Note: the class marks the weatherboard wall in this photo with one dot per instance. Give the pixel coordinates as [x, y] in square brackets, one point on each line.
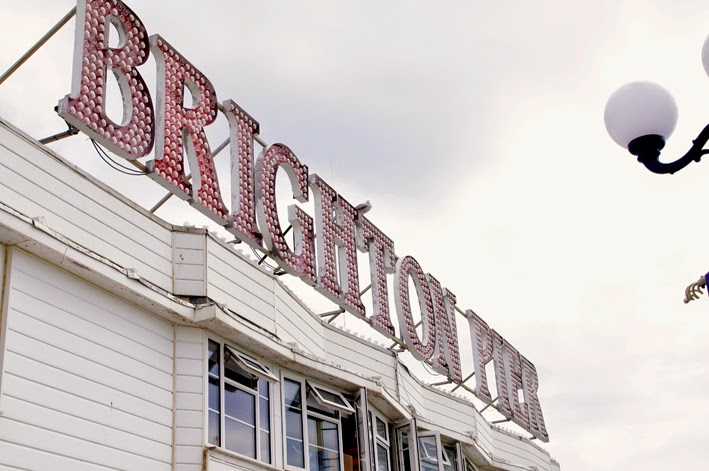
[42, 185]
[99, 380]
[88, 378]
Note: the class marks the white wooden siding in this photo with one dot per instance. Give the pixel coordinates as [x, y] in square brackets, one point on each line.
[354, 354]
[3, 312]
[511, 448]
[451, 415]
[245, 289]
[484, 438]
[295, 324]
[93, 382]
[189, 398]
[88, 378]
[411, 391]
[189, 264]
[40, 185]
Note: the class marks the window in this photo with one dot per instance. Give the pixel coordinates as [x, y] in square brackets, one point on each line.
[406, 445]
[314, 421]
[379, 438]
[451, 453]
[239, 412]
[430, 452]
[469, 466]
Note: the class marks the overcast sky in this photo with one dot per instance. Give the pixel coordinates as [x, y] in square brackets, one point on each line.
[476, 131]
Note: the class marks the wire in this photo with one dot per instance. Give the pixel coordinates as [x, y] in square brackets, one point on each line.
[113, 164]
[430, 370]
[259, 256]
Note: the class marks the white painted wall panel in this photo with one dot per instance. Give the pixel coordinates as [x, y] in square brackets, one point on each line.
[190, 382]
[296, 324]
[448, 412]
[244, 288]
[484, 436]
[189, 264]
[355, 355]
[39, 185]
[86, 375]
[411, 391]
[512, 449]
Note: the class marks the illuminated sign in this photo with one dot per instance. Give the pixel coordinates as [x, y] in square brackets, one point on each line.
[324, 253]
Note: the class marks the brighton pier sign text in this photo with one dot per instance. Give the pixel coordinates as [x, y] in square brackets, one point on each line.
[329, 264]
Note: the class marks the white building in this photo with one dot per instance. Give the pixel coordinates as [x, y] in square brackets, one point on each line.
[104, 365]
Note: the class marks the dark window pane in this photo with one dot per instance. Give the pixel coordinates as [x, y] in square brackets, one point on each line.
[265, 447]
[331, 397]
[294, 453]
[214, 358]
[213, 434]
[239, 404]
[214, 394]
[315, 406]
[235, 373]
[323, 460]
[255, 365]
[382, 458]
[404, 437]
[428, 452]
[265, 416]
[428, 449]
[323, 434]
[294, 424]
[452, 458]
[240, 438]
[382, 429]
[350, 447]
[263, 388]
[371, 437]
[291, 394]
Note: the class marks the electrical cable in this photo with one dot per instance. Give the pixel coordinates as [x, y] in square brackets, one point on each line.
[113, 164]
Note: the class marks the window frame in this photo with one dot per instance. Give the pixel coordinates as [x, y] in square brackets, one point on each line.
[378, 439]
[306, 412]
[363, 429]
[458, 450]
[256, 394]
[413, 448]
[468, 464]
[442, 458]
[244, 361]
[316, 388]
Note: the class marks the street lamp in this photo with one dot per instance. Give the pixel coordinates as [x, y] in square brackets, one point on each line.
[641, 116]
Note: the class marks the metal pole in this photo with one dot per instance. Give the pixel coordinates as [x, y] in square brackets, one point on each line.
[335, 314]
[38, 45]
[464, 381]
[72, 131]
[489, 405]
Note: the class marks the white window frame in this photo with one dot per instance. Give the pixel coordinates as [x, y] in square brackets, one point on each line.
[316, 388]
[459, 458]
[305, 389]
[363, 429]
[442, 458]
[378, 439]
[255, 393]
[469, 465]
[413, 449]
[247, 363]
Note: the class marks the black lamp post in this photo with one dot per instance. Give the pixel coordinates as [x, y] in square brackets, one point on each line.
[641, 116]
